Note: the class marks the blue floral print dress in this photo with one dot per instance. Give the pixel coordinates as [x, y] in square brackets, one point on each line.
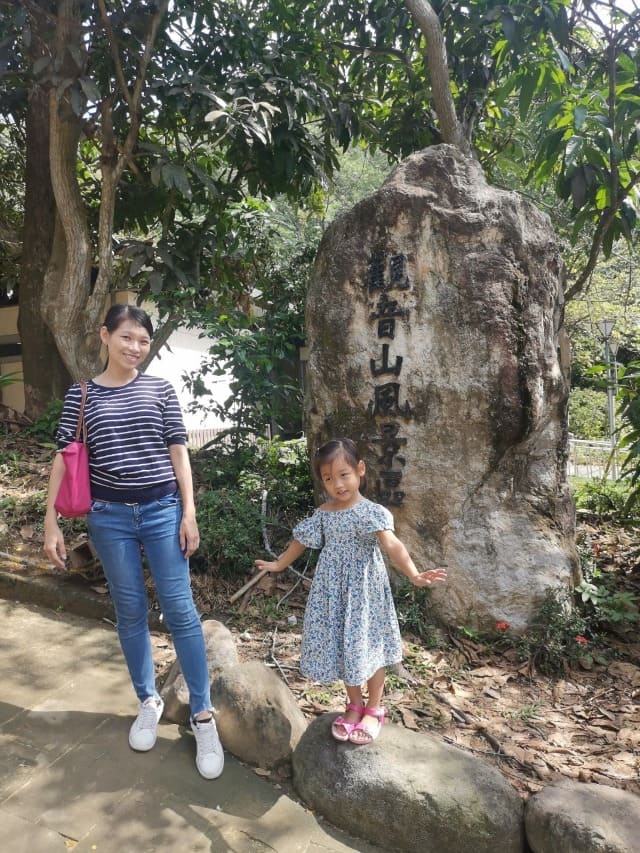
[350, 625]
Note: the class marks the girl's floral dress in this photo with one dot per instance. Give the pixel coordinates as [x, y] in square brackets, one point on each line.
[350, 625]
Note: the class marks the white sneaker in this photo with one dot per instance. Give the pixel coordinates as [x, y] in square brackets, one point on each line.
[144, 730]
[209, 752]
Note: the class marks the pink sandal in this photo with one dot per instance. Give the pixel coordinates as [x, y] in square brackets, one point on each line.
[369, 736]
[346, 725]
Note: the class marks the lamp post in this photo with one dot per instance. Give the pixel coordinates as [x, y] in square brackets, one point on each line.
[606, 328]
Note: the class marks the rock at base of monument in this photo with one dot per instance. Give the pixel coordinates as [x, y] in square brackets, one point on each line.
[573, 817]
[257, 715]
[408, 792]
[221, 651]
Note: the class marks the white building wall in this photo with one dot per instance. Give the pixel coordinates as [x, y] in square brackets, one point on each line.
[183, 355]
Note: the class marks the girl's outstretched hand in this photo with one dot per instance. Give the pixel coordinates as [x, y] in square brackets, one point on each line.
[269, 566]
[429, 577]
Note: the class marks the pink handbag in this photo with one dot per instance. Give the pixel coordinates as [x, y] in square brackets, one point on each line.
[74, 494]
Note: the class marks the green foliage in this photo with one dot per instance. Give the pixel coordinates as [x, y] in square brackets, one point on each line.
[7, 379]
[588, 413]
[229, 523]
[586, 112]
[26, 510]
[46, 425]
[608, 607]
[601, 601]
[257, 342]
[613, 292]
[12, 161]
[413, 606]
[629, 410]
[230, 486]
[9, 462]
[556, 635]
[606, 499]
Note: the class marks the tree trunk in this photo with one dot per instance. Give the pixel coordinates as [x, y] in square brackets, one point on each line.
[44, 373]
[436, 54]
[67, 281]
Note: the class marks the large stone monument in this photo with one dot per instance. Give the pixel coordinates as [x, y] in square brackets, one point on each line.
[435, 341]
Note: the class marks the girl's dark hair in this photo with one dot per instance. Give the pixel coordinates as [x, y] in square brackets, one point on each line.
[334, 449]
[117, 314]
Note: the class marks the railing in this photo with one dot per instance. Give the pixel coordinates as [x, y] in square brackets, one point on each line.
[590, 459]
[197, 438]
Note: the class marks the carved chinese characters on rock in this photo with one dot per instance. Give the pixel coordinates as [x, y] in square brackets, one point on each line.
[387, 288]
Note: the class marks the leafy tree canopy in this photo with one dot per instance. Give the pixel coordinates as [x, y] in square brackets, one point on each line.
[168, 121]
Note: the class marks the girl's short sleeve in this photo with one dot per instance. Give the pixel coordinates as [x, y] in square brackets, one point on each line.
[377, 518]
[309, 532]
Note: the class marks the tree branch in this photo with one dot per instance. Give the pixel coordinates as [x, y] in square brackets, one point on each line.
[115, 55]
[162, 335]
[373, 50]
[132, 136]
[436, 56]
[604, 223]
[113, 166]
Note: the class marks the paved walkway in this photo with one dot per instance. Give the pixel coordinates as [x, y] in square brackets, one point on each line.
[68, 780]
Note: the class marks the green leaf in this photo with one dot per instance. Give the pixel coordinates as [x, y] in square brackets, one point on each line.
[90, 89]
[77, 101]
[527, 90]
[508, 26]
[578, 188]
[40, 64]
[579, 117]
[573, 150]
[77, 56]
[136, 265]
[155, 282]
[214, 115]
[565, 64]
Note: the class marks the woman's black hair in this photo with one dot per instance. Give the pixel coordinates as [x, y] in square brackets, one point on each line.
[117, 314]
[334, 449]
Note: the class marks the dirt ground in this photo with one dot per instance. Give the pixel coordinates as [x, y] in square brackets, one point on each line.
[484, 698]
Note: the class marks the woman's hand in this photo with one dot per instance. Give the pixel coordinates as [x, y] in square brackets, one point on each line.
[189, 535]
[429, 577]
[54, 546]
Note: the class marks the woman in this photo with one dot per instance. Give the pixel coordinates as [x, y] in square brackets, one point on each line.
[142, 501]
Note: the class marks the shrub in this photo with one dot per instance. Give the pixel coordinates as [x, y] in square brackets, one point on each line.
[45, 427]
[556, 636]
[231, 484]
[606, 499]
[602, 602]
[230, 532]
[413, 607]
[588, 415]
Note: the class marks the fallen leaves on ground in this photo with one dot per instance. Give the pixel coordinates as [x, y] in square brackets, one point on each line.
[532, 728]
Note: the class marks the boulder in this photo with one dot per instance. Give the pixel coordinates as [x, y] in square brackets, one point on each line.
[435, 341]
[257, 716]
[408, 792]
[572, 817]
[221, 651]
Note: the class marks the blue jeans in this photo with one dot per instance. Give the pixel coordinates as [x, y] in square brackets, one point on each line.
[118, 531]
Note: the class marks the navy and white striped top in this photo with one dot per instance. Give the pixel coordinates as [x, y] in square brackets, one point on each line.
[129, 432]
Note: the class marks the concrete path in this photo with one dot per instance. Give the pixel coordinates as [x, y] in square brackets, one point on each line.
[68, 780]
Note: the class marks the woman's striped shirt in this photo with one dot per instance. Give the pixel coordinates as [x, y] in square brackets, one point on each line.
[129, 432]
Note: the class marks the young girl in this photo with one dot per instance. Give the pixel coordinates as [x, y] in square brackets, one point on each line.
[142, 497]
[350, 629]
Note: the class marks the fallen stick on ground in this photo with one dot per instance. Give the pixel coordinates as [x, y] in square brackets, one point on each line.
[248, 585]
